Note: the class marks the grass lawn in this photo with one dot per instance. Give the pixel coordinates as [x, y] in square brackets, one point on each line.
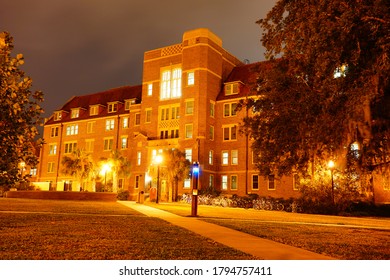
[77, 230]
[348, 238]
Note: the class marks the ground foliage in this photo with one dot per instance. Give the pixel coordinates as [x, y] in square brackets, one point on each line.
[20, 114]
[325, 86]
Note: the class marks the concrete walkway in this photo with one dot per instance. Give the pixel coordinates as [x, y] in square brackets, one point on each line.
[259, 247]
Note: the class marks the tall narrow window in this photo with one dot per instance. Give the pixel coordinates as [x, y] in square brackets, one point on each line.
[255, 182]
[225, 157]
[190, 78]
[124, 142]
[271, 182]
[150, 89]
[211, 157]
[110, 124]
[233, 182]
[188, 131]
[139, 157]
[224, 179]
[170, 83]
[234, 157]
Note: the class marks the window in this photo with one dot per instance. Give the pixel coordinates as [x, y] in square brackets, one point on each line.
[124, 142]
[54, 131]
[137, 180]
[190, 78]
[72, 129]
[112, 107]
[271, 182]
[108, 143]
[52, 149]
[188, 153]
[211, 181]
[255, 182]
[137, 119]
[233, 182]
[148, 117]
[189, 107]
[230, 109]
[110, 124]
[57, 116]
[90, 127]
[171, 84]
[225, 157]
[211, 132]
[234, 157]
[125, 122]
[93, 110]
[212, 109]
[224, 182]
[70, 147]
[75, 113]
[187, 183]
[211, 157]
[231, 89]
[230, 133]
[188, 131]
[139, 157]
[127, 104]
[150, 89]
[89, 143]
[33, 171]
[50, 167]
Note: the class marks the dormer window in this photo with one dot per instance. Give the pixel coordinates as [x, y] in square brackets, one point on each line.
[112, 107]
[231, 89]
[75, 113]
[58, 116]
[127, 105]
[93, 110]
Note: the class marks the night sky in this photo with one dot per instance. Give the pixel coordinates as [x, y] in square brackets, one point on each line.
[77, 47]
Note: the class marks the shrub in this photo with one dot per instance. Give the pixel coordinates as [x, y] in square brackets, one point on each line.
[123, 195]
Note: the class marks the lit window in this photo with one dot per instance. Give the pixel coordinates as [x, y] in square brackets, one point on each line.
[211, 157]
[171, 84]
[234, 157]
[224, 182]
[233, 182]
[75, 113]
[225, 157]
[52, 149]
[231, 89]
[33, 171]
[188, 131]
[187, 183]
[110, 124]
[125, 123]
[188, 153]
[150, 89]
[72, 129]
[190, 78]
[57, 116]
[124, 142]
[89, 145]
[139, 157]
[211, 181]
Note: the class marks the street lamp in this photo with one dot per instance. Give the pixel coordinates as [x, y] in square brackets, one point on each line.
[106, 168]
[331, 167]
[158, 160]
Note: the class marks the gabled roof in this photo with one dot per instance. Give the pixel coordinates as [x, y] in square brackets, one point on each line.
[119, 94]
[246, 75]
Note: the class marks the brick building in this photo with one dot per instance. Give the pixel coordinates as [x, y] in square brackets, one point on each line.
[187, 100]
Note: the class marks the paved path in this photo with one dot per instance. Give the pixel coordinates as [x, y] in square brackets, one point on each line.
[256, 246]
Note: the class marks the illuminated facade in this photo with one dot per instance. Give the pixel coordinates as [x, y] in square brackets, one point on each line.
[188, 101]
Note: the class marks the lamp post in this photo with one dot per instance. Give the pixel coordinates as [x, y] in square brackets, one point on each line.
[106, 168]
[194, 201]
[331, 167]
[158, 160]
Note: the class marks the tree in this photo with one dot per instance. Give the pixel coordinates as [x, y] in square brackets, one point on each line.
[80, 166]
[119, 166]
[177, 170]
[328, 77]
[20, 114]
